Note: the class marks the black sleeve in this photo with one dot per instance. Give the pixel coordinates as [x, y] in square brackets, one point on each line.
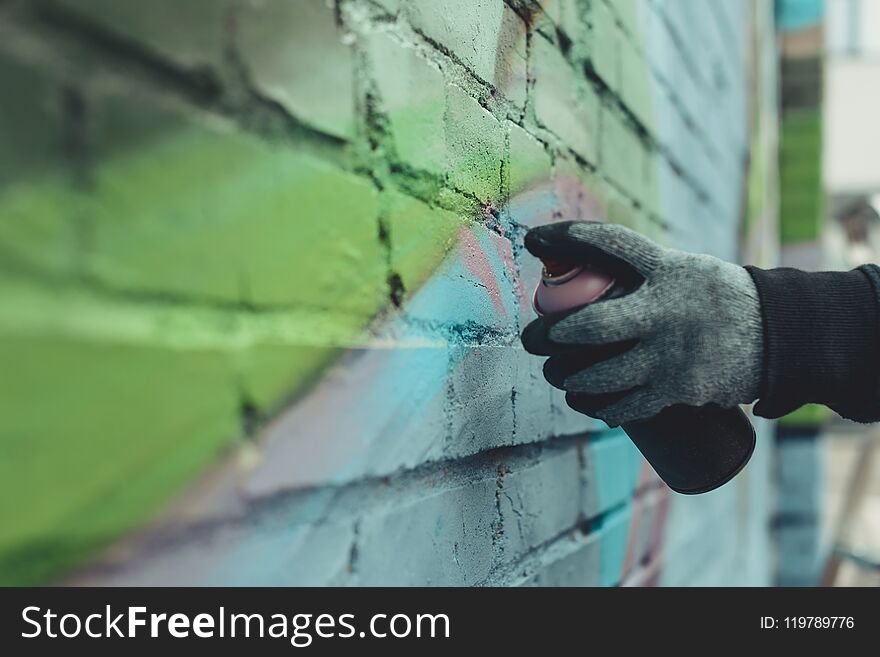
[821, 341]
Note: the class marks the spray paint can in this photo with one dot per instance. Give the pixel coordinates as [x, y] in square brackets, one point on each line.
[694, 449]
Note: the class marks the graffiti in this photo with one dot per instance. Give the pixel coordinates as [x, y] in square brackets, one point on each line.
[271, 336]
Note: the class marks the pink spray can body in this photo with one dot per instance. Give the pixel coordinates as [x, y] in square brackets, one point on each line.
[694, 449]
[567, 286]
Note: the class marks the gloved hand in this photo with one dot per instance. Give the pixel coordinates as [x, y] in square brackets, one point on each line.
[688, 332]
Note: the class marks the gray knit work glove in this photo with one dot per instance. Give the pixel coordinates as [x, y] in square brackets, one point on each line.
[686, 331]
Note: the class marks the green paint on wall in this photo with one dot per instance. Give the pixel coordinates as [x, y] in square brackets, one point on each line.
[420, 238]
[175, 275]
[186, 275]
[115, 405]
[95, 436]
[227, 218]
[110, 416]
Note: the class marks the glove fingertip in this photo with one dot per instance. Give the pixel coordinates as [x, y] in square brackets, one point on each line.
[557, 239]
[593, 405]
[535, 338]
[541, 240]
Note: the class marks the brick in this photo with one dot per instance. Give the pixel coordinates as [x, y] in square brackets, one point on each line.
[613, 533]
[564, 104]
[391, 6]
[579, 194]
[620, 152]
[475, 144]
[413, 95]
[312, 444]
[38, 226]
[286, 553]
[566, 421]
[580, 566]
[421, 236]
[675, 201]
[208, 213]
[280, 553]
[652, 162]
[472, 288]
[480, 411]
[637, 85]
[131, 422]
[657, 42]
[628, 13]
[486, 35]
[611, 466]
[32, 123]
[39, 206]
[191, 34]
[552, 10]
[272, 369]
[647, 574]
[678, 138]
[528, 161]
[283, 44]
[539, 501]
[648, 520]
[619, 209]
[572, 17]
[444, 537]
[532, 400]
[699, 538]
[605, 55]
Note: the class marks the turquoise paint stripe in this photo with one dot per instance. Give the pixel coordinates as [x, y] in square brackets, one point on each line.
[618, 463]
[614, 533]
[450, 293]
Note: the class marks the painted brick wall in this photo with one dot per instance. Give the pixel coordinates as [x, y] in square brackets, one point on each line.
[263, 284]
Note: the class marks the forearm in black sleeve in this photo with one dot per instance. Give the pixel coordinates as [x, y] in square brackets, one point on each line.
[821, 341]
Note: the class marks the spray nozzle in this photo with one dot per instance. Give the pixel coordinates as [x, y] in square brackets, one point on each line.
[557, 272]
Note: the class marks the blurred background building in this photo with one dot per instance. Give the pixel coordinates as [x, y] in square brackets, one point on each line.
[852, 138]
[852, 237]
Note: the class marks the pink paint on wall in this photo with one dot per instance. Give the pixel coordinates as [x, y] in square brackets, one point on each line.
[478, 264]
